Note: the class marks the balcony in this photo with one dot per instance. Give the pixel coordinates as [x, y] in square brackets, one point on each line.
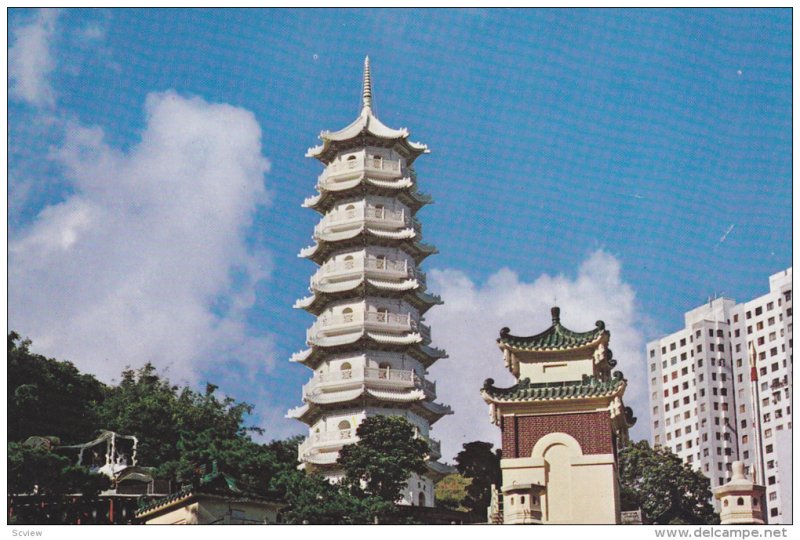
[324, 446]
[371, 216]
[396, 379]
[357, 321]
[342, 171]
[328, 441]
[372, 267]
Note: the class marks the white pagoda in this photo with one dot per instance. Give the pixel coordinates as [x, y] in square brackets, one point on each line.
[368, 348]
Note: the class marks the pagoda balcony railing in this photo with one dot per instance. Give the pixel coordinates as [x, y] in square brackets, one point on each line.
[342, 171]
[379, 321]
[334, 440]
[370, 376]
[434, 446]
[371, 267]
[326, 440]
[385, 218]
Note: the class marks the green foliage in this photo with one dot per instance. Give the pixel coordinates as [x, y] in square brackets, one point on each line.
[48, 397]
[312, 499]
[667, 490]
[40, 471]
[177, 428]
[180, 428]
[451, 491]
[479, 463]
[386, 455]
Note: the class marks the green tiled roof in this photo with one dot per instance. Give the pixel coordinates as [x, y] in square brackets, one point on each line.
[557, 337]
[206, 482]
[525, 390]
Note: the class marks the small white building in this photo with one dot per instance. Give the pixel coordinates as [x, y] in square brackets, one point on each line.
[369, 348]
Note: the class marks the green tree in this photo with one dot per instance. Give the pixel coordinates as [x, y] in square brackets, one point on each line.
[178, 429]
[667, 490]
[451, 491]
[43, 472]
[382, 461]
[481, 465]
[49, 397]
[312, 499]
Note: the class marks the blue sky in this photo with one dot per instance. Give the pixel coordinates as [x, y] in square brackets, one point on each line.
[595, 158]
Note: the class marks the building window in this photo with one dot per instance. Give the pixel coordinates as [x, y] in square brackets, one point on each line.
[672, 346]
[759, 310]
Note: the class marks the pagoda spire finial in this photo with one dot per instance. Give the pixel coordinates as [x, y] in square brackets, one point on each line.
[367, 86]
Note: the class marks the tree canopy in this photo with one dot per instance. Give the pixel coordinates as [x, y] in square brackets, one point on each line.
[49, 398]
[667, 490]
[481, 465]
[386, 455]
[177, 428]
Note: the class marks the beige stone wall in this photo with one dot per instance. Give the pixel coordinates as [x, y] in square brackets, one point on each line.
[578, 488]
[207, 511]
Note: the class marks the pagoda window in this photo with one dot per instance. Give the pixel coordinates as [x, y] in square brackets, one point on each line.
[377, 161]
[740, 501]
[350, 211]
[344, 429]
[422, 499]
[351, 162]
[347, 314]
[346, 369]
[379, 211]
[349, 262]
[380, 262]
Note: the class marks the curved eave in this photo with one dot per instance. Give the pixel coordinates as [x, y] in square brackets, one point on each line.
[318, 252]
[315, 354]
[439, 470]
[410, 289]
[415, 400]
[617, 391]
[528, 344]
[342, 187]
[366, 124]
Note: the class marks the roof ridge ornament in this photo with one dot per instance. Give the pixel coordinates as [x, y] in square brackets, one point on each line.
[366, 93]
[555, 312]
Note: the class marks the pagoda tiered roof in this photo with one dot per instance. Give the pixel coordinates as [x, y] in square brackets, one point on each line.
[402, 188]
[322, 249]
[410, 289]
[525, 390]
[555, 338]
[315, 354]
[416, 400]
[367, 124]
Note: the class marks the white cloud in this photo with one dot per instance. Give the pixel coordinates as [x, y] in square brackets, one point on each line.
[30, 59]
[146, 260]
[469, 322]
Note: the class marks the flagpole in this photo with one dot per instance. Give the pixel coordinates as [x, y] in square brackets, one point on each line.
[760, 476]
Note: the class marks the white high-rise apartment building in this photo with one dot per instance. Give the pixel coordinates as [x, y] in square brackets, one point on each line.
[720, 390]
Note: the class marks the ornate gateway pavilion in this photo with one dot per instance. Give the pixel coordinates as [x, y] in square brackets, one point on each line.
[368, 348]
[562, 424]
